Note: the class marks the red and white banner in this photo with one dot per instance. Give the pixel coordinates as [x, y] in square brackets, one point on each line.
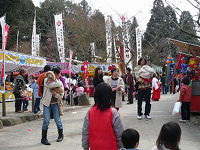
[7, 27]
[5, 31]
[86, 76]
[60, 36]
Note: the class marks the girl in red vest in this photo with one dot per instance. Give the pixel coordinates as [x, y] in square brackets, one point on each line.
[102, 127]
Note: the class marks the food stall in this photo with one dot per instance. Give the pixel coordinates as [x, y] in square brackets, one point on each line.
[189, 57]
[91, 72]
[15, 61]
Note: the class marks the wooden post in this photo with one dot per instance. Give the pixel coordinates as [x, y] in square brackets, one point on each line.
[33, 102]
[3, 105]
[71, 98]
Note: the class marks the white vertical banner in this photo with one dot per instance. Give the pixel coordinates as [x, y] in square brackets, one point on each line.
[37, 44]
[3, 23]
[138, 43]
[109, 39]
[92, 46]
[60, 36]
[34, 37]
[126, 41]
[117, 51]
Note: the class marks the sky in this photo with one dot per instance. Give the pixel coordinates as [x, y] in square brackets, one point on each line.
[129, 8]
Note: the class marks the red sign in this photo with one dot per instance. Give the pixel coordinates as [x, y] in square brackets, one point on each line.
[86, 76]
[58, 23]
[4, 48]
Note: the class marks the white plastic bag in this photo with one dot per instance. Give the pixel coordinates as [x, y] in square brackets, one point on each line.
[177, 108]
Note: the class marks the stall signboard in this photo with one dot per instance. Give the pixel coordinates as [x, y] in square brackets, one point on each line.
[104, 67]
[22, 59]
[65, 67]
[8, 95]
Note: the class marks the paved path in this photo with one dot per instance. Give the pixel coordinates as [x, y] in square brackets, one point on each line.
[27, 136]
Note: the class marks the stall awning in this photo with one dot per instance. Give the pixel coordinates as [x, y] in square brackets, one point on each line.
[187, 48]
[15, 60]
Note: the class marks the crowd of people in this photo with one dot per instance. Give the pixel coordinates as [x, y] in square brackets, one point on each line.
[36, 83]
[50, 89]
[102, 127]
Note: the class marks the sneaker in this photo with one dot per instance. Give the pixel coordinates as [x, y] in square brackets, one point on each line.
[183, 121]
[148, 116]
[139, 117]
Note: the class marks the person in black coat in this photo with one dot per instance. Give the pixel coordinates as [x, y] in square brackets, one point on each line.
[98, 76]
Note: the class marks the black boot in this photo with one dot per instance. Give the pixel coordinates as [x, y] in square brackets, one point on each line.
[60, 135]
[44, 138]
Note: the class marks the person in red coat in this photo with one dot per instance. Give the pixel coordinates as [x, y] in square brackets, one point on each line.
[40, 80]
[185, 98]
[156, 88]
[102, 127]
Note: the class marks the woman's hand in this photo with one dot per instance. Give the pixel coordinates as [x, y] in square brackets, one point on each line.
[119, 88]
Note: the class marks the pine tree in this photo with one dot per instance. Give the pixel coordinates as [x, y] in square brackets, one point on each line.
[187, 25]
[162, 24]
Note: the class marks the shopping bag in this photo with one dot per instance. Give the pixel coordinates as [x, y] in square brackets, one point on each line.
[177, 108]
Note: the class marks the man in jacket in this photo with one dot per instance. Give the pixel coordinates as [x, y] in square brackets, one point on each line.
[130, 85]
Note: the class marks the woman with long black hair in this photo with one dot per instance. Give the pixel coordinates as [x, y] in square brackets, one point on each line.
[98, 76]
[102, 127]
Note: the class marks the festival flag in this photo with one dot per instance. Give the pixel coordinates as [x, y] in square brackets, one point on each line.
[70, 61]
[5, 30]
[109, 39]
[60, 36]
[4, 48]
[37, 44]
[138, 43]
[34, 52]
[126, 39]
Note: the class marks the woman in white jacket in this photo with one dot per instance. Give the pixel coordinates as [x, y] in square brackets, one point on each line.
[50, 103]
[117, 85]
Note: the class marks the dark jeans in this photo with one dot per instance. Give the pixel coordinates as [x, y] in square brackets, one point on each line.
[185, 110]
[18, 102]
[68, 99]
[25, 105]
[164, 89]
[47, 115]
[76, 100]
[113, 99]
[37, 105]
[130, 95]
[144, 95]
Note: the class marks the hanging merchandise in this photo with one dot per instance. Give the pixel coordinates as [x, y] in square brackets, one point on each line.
[184, 65]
